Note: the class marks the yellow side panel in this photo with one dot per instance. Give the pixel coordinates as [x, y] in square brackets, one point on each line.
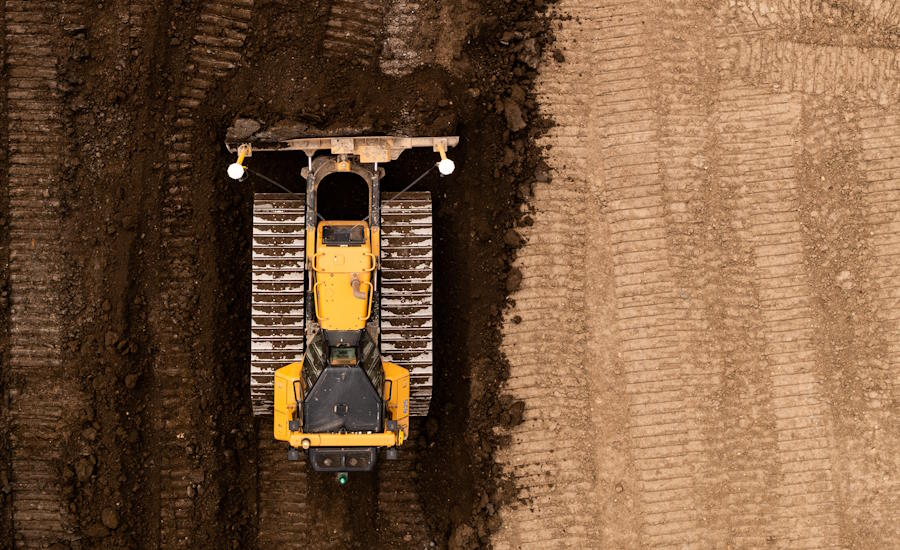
[396, 388]
[376, 241]
[310, 247]
[285, 401]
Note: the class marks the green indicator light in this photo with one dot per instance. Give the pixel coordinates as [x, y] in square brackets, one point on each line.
[342, 478]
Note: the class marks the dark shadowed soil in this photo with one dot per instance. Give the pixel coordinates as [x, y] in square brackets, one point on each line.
[120, 68]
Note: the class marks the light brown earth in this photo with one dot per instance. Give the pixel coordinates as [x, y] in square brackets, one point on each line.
[707, 334]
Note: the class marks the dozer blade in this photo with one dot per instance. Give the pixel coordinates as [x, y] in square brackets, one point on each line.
[406, 291]
[297, 136]
[277, 331]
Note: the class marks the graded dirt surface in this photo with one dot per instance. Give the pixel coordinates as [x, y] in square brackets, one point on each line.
[667, 297]
[706, 333]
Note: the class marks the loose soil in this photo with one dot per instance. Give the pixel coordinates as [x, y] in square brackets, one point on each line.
[122, 213]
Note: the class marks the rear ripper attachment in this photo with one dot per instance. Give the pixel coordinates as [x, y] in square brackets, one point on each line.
[341, 329]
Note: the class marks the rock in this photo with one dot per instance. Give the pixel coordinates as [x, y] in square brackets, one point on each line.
[463, 537]
[514, 280]
[83, 469]
[89, 433]
[431, 427]
[96, 530]
[515, 413]
[558, 56]
[843, 280]
[445, 124]
[109, 517]
[512, 239]
[619, 488]
[517, 93]
[529, 54]
[4, 483]
[131, 381]
[515, 120]
[243, 128]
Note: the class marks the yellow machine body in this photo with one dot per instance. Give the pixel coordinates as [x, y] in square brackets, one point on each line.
[344, 283]
[289, 387]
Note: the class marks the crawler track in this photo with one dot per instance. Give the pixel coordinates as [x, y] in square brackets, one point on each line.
[407, 279]
[221, 32]
[277, 332]
[35, 134]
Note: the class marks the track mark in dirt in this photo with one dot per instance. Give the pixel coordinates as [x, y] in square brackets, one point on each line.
[284, 516]
[663, 428]
[849, 339]
[36, 371]
[880, 164]
[296, 505]
[222, 29]
[879, 136]
[402, 26]
[137, 18]
[6, 508]
[400, 518]
[761, 127]
[354, 30]
[715, 313]
[865, 73]
[826, 49]
[787, 12]
[549, 457]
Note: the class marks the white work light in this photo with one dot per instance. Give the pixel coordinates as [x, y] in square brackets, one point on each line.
[235, 171]
[446, 167]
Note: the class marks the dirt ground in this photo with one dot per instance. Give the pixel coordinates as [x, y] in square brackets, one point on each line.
[713, 265]
[126, 262]
[666, 283]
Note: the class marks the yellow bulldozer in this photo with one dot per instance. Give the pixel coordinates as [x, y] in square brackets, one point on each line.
[341, 324]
